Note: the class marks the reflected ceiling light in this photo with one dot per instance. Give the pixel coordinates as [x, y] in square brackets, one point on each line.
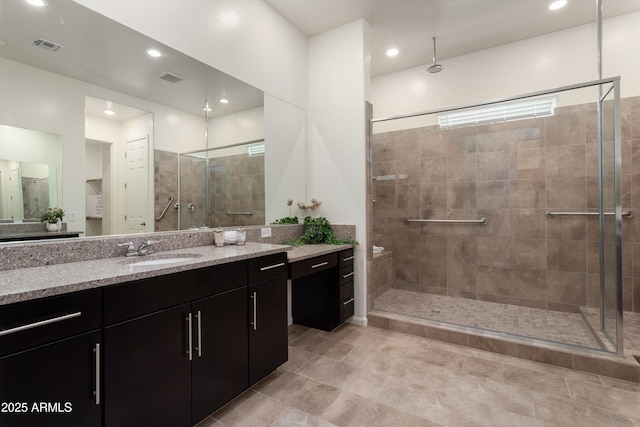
[154, 53]
[224, 100]
[392, 52]
[558, 4]
[109, 112]
[38, 3]
[508, 111]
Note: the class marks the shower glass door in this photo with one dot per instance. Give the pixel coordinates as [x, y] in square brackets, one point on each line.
[610, 216]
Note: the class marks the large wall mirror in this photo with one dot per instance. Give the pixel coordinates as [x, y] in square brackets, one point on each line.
[29, 164]
[63, 67]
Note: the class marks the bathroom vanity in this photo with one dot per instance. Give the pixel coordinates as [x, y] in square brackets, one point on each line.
[322, 286]
[159, 345]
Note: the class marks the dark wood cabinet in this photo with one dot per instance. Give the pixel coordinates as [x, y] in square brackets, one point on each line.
[322, 290]
[268, 334]
[147, 370]
[50, 361]
[163, 351]
[220, 365]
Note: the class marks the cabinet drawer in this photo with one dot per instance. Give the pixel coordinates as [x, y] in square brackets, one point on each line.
[140, 297]
[217, 279]
[346, 302]
[346, 275]
[32, 323]
[267, 267]
[313, 265]
[346, 257]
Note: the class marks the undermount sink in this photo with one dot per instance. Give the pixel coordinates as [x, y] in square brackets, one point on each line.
[159, 259]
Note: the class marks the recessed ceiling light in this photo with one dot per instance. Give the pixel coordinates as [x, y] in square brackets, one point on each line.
[38, 3]
[558, 4]
[155, 53]
[109, 112]
[392, 52]
[224, 101]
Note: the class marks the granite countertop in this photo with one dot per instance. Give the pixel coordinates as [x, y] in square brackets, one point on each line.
[25, 284]
[37, 282]
[300, 253]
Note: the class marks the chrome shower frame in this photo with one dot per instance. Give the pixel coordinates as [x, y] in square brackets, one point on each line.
[614, 82]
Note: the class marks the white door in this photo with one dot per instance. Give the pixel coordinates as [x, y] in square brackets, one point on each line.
[15, 195]
[137, 219]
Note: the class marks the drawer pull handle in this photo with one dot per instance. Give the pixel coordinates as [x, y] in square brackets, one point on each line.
[344, 276]
[97, 392]
[349, 301]
[269, 267]
[347, 258]
[320, 265]
[40, 323]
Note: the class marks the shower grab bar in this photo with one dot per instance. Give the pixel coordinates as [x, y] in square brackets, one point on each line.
[165, 209]
[239, 213]
[551, 214]
[481, 221]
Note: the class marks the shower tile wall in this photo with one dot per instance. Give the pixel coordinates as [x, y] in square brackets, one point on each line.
[237, 190]
[510, 173]
[166, 186]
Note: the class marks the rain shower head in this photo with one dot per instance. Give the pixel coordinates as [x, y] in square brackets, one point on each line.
[435, 68]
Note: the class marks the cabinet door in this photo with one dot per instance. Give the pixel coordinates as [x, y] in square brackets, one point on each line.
[52, 385]
[220, 366]
[268, 339]
[147, 372]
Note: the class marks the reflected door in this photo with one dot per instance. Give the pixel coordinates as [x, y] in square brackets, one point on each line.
[15, 208]
[137, 186]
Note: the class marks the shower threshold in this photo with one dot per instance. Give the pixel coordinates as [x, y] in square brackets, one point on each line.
[561, 339]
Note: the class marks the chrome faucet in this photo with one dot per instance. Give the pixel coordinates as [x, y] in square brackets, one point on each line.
[145, 248]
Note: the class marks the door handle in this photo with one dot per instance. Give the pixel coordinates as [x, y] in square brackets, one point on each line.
[189, 336]
[96, 393]
[199, 325]
[143, 224]
[254, 297]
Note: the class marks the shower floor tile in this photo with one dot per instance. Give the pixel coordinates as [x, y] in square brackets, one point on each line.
[568, 328]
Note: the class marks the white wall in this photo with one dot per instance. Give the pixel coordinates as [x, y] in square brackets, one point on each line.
[246, 39]
[336, 136]
[243, 126]
[546, 62]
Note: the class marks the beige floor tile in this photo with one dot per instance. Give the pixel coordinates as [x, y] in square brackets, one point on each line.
[345, 378]
[291, 417]
[248, 410]
[351, 410]
[502, 418]
[320, 345]
[551, 384]
[563, 412]
[297, 391]
[607, 398]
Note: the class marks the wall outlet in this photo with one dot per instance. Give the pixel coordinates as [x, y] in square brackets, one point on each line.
[265, 232]
[71, 217]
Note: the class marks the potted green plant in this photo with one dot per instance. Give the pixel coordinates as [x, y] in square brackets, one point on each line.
[318, 230]
[52, 217]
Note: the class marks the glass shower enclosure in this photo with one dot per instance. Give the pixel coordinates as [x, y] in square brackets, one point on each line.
[222, 186]
[506, 216]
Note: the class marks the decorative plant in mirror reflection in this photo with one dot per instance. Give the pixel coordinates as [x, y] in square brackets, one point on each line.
[51, 215]
[287, 219]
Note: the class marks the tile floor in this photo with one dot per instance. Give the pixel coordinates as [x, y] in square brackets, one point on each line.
[358, 376]
[568, 328]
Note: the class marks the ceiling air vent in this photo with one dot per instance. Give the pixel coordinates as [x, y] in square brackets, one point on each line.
[171, 77]
[45, 44]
